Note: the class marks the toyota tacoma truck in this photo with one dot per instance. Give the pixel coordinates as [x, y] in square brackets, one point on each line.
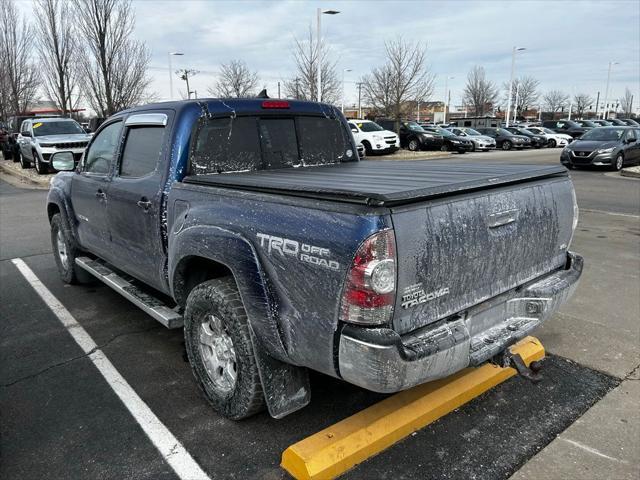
[254, 225]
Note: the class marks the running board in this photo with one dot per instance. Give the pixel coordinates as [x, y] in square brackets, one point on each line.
[148, 303]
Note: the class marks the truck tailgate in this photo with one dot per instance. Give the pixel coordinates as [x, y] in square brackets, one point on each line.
[379, 182]
[456, 252]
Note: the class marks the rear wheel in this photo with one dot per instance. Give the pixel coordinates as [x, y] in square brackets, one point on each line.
[23, 162]
[216, 333]
[552, 143]
[444, 147]
[506, 145]
[367, 148]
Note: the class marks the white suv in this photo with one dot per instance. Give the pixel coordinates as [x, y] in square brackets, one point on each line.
[40, 138]
[554, 139]
[373, 137]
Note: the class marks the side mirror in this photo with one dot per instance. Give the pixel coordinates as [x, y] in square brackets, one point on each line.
[631, 140]
[63, 161]
[354, 130]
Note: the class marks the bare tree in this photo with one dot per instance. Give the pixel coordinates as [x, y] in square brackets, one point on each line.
[56, 46]
[236, 80]
[19, 74]
[304, 85]
[526, 89]
[479, 92]
[554, 100]
[113, 65]
[581, 102]
[404, 78]
[626, 102]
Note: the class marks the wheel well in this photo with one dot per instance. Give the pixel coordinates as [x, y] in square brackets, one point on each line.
[365, 142]
[192, 271]
[52, 209]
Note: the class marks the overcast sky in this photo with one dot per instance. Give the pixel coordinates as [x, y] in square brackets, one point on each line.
[569, 43]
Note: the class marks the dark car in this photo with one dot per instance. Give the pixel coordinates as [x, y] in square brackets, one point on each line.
[614, 147]
[565, 126]
[451, 142]
[616, 122]
[413, 136]
[631, 122]
[537, 141]
[505, 139]
[587, 123]
[602, 123]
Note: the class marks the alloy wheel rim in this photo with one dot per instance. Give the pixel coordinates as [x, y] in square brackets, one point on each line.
[62, 250]
[218, 354]
[619, 162]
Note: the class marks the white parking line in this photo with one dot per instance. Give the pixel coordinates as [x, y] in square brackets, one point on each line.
[170, 448]
[610, 213]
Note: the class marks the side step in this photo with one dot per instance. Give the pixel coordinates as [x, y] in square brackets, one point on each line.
[151, 305]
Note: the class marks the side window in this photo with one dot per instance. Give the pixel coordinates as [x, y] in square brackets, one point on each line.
[101, 153]
[560, 125]
[353, 128]
[141, 151]
[25, 127]
[631, 135]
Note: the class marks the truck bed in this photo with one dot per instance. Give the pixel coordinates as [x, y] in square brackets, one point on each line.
[380, 183]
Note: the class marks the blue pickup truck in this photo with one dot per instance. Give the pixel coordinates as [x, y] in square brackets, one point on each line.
[254, 225]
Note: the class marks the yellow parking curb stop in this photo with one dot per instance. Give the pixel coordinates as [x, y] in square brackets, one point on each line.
[334, 450]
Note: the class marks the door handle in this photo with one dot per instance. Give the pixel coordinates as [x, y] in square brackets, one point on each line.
[101, 194]
[144, 203]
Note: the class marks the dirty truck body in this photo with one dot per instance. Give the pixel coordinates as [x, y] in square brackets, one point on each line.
[384, 274]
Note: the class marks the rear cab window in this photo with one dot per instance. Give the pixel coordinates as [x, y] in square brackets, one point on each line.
[254, 142]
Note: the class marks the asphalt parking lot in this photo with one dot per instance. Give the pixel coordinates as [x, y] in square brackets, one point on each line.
[60, 419]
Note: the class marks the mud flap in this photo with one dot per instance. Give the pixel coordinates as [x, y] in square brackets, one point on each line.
[286, 387]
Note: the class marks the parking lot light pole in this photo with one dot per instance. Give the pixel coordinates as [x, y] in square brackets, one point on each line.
[344, 70]
[171, 54]
[321, 12]
[446, 97]
[513, 70]
[605, 110]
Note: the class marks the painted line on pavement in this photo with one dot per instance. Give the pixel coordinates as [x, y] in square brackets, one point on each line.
[169, 447]
[609, 213]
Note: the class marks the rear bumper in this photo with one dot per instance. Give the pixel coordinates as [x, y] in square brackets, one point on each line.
[381, 360]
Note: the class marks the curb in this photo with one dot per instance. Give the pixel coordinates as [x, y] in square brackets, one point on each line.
[633, 172]
[24, 178]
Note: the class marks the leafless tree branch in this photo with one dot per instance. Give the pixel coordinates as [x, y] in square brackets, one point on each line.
[235, 81]
[554, 100]
[480, 93]
[581, 102]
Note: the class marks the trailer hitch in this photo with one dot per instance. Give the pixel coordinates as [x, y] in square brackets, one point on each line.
[514, 360]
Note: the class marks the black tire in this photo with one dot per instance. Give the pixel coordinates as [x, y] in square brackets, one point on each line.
[552, 143]
[69, 271]
[444, 147]
[41, 167]
[414, 145]
[23, 161]
[367, 148]
[506, 145]
[473, 147]
[219, 298]
[462, 151]
[618, 162]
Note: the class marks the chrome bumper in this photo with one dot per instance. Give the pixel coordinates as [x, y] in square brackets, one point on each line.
[379, 359]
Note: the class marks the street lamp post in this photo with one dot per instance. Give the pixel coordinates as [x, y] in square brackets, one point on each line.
[605, 111]
[320, 12]
[171, 54]
[513, 70]
[446, 97]
[343, 72]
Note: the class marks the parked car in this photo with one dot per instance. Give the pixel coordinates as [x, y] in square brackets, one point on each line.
[477, 122]
[41, 137]
[479, 141]
[565, 126]
[602, 123]
[587, 123]
[537, 141]
[554, 139]
[256, 228]
[413, 136]
[630, 121]
[505, 139]
[451, 142]
[6, 145]
[610, 146]
[373, 137]
[616, 122]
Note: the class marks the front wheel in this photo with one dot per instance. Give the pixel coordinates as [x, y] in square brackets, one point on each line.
[444, 148]
[552, 143]
[41, 168]
[414, 146]
[24, 164]
[65, 253]
[216, 333]
[619, 163]
[506, 145]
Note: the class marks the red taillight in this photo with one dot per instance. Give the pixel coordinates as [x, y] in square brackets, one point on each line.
[370, 289]
[275, 104]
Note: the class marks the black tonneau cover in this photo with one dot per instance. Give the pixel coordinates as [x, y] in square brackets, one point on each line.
[381, 183]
